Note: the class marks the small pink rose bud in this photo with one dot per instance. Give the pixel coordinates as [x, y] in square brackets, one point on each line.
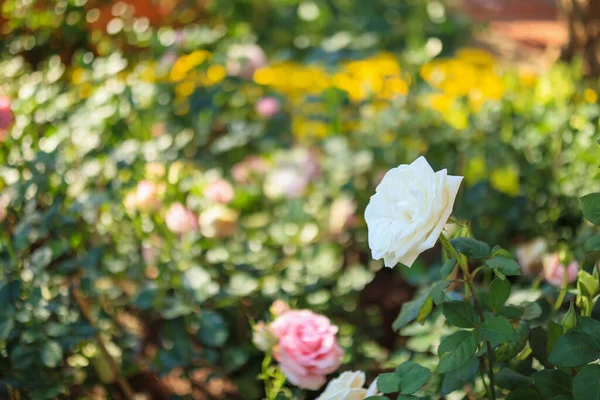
[6, 117]
[267, 107]
[279, 307]
[554, 271]
[219, 191]
[262, 337]
[180, 220]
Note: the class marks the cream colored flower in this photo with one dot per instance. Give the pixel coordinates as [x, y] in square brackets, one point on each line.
[348, 386]
[408, 211]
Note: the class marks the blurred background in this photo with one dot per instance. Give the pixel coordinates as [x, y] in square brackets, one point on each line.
[170, 168]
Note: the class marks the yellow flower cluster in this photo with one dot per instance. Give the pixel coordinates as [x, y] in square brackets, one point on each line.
[293, 79]
[379, 76]
[472, 75]
[185, 73]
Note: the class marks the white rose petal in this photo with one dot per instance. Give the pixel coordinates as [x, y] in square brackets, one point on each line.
[348, 386]
[408, 211]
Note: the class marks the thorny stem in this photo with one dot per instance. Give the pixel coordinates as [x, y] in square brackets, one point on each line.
[462, 262]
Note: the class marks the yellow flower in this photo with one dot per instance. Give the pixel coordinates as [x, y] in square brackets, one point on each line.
[476, 56]
[78, 76]
[185, 89]
[441, 102]
[215, 74]
[590, 95]
[506, 180]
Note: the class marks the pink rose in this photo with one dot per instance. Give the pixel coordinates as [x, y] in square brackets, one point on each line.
[180, 220]
[251, 165]
[307, 348]
[6, 117]
[244, 59]
[288, 182]
[219, 191]
[267, 107]
[554, 271]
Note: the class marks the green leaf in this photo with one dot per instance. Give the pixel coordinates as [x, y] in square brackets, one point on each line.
[425, 310]
[212, 330]
[507, 266]
[593, 243]
[11, 292]
[377, 398]
[52, 354]
[410, 311]
[6, 326]
[508, 350]
[456, 350]
[454, 380]
[586, 385]
[538, 340]
[472, 248]
[589, 326]
[388, 383]
[438, 294]
[497, 330]
[590, 205]
[448, 267]
[461, 314]
[498, 294]
[524, 394]
[575, 349]
[552, 382]
[412, 377]
[511, 380]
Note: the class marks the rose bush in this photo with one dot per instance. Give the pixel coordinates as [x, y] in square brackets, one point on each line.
[105, 286]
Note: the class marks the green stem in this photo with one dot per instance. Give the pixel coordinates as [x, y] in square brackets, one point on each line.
[462, 262]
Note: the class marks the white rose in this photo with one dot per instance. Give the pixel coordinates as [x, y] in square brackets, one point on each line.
[408, 211]
[348, 386]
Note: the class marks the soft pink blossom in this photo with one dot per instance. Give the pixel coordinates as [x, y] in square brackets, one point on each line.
[244, 59]
[341, 214]
[6, 117]
[308, 161]
[307, 348]
[251, 165]
[554, 271]
[219, 191]
[288, 181]
[267, 107]
[180, 220]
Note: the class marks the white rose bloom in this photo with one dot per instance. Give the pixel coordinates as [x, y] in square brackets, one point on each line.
[348, 386]
[408, 211]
